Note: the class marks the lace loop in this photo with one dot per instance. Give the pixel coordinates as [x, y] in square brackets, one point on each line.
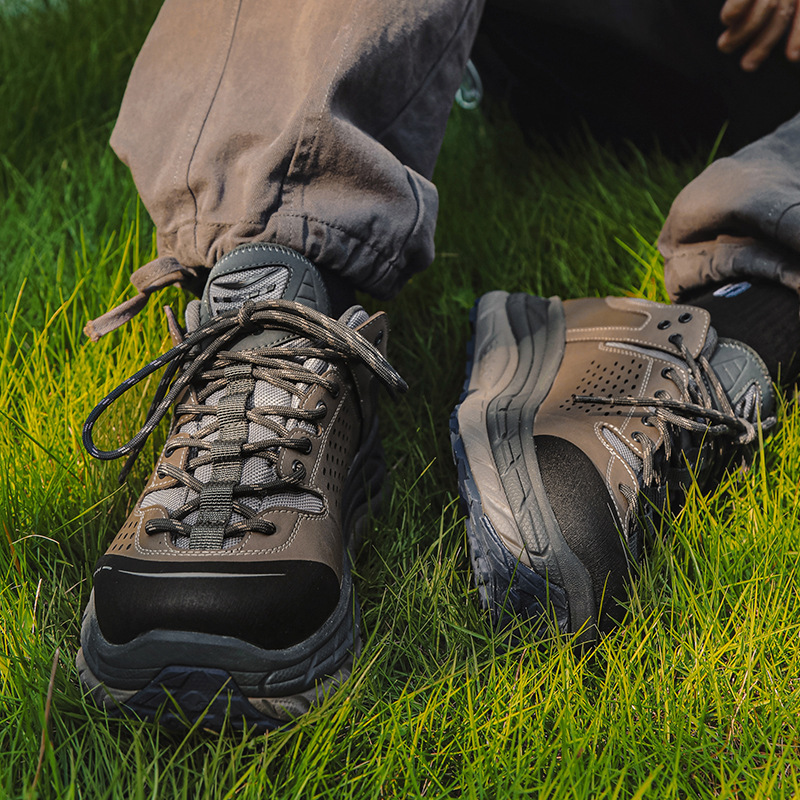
[245, 316]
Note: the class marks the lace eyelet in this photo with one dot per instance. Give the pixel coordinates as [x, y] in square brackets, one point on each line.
[664, 324]
[304, 445]
[646, 421]
[335, 389]
[665, 373]
[676, 339]
[321, 405]
[663, 395]
[686, 317]
[297, 465]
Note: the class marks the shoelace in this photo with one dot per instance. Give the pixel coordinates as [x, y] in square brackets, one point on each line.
[704, 410]
[201, 359]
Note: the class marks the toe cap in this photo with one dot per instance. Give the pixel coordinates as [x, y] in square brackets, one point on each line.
[273, 606]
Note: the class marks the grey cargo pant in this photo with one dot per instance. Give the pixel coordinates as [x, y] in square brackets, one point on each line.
[317, 125]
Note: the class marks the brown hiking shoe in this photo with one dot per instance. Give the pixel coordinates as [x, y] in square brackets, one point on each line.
[578, 420]
[228, 591]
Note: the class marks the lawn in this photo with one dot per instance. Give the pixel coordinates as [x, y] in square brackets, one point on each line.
[694, 695]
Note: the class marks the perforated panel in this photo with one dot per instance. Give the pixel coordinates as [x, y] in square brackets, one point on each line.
[338, 454]
[620, 378]
[124, 540]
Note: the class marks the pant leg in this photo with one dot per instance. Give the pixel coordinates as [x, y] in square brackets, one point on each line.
[314, 125]
[739, 218]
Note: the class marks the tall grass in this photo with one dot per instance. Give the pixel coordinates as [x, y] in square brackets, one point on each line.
[695, 695]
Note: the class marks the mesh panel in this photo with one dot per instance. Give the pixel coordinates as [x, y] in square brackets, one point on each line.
[358, 317]
[190, 428]
[257, 470]
[265, 394]
[171, 499]
[628, 456]
[305, 501]
[203, 473]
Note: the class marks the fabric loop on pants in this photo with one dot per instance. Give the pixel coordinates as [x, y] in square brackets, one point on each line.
[157, 274]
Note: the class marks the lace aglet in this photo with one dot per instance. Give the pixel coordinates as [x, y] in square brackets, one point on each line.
[127, 467]
[396, 389]
[589, 398]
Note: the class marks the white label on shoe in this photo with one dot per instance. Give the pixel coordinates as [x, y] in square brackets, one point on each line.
[732, 289]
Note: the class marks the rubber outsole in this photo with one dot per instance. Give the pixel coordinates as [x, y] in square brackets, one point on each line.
[518, 341]
[182, 678]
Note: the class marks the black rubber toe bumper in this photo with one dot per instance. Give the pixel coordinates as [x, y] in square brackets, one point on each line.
[272, 606]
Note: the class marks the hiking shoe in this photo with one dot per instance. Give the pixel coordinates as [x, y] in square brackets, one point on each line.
[228, 591]
[579, 422]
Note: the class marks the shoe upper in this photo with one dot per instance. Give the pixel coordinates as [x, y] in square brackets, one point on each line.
[241, 528]
[647, 398]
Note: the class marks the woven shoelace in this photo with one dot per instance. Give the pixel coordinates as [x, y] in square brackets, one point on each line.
[202, 360]
[703, 410]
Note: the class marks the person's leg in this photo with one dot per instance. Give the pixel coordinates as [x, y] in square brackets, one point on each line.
[731, 243]
[313, 125]
[284, 150]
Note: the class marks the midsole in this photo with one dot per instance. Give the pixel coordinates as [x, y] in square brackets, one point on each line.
[519, 345]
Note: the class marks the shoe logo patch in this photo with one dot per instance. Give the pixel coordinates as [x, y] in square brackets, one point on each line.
[232, 290]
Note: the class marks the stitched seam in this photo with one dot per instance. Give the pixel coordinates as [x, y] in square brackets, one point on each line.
[434, 67]
[235, 16]
[277, 215]
[233, 551]
[780, 219]
[411, 227]
[630, 340]
[615, 456]
[240, 549]
[349, 234]
[296, 155]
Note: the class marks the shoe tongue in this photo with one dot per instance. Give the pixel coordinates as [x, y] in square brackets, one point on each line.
[260, 272]
[739, 369]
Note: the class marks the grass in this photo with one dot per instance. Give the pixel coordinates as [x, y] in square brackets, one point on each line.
[695, 695]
